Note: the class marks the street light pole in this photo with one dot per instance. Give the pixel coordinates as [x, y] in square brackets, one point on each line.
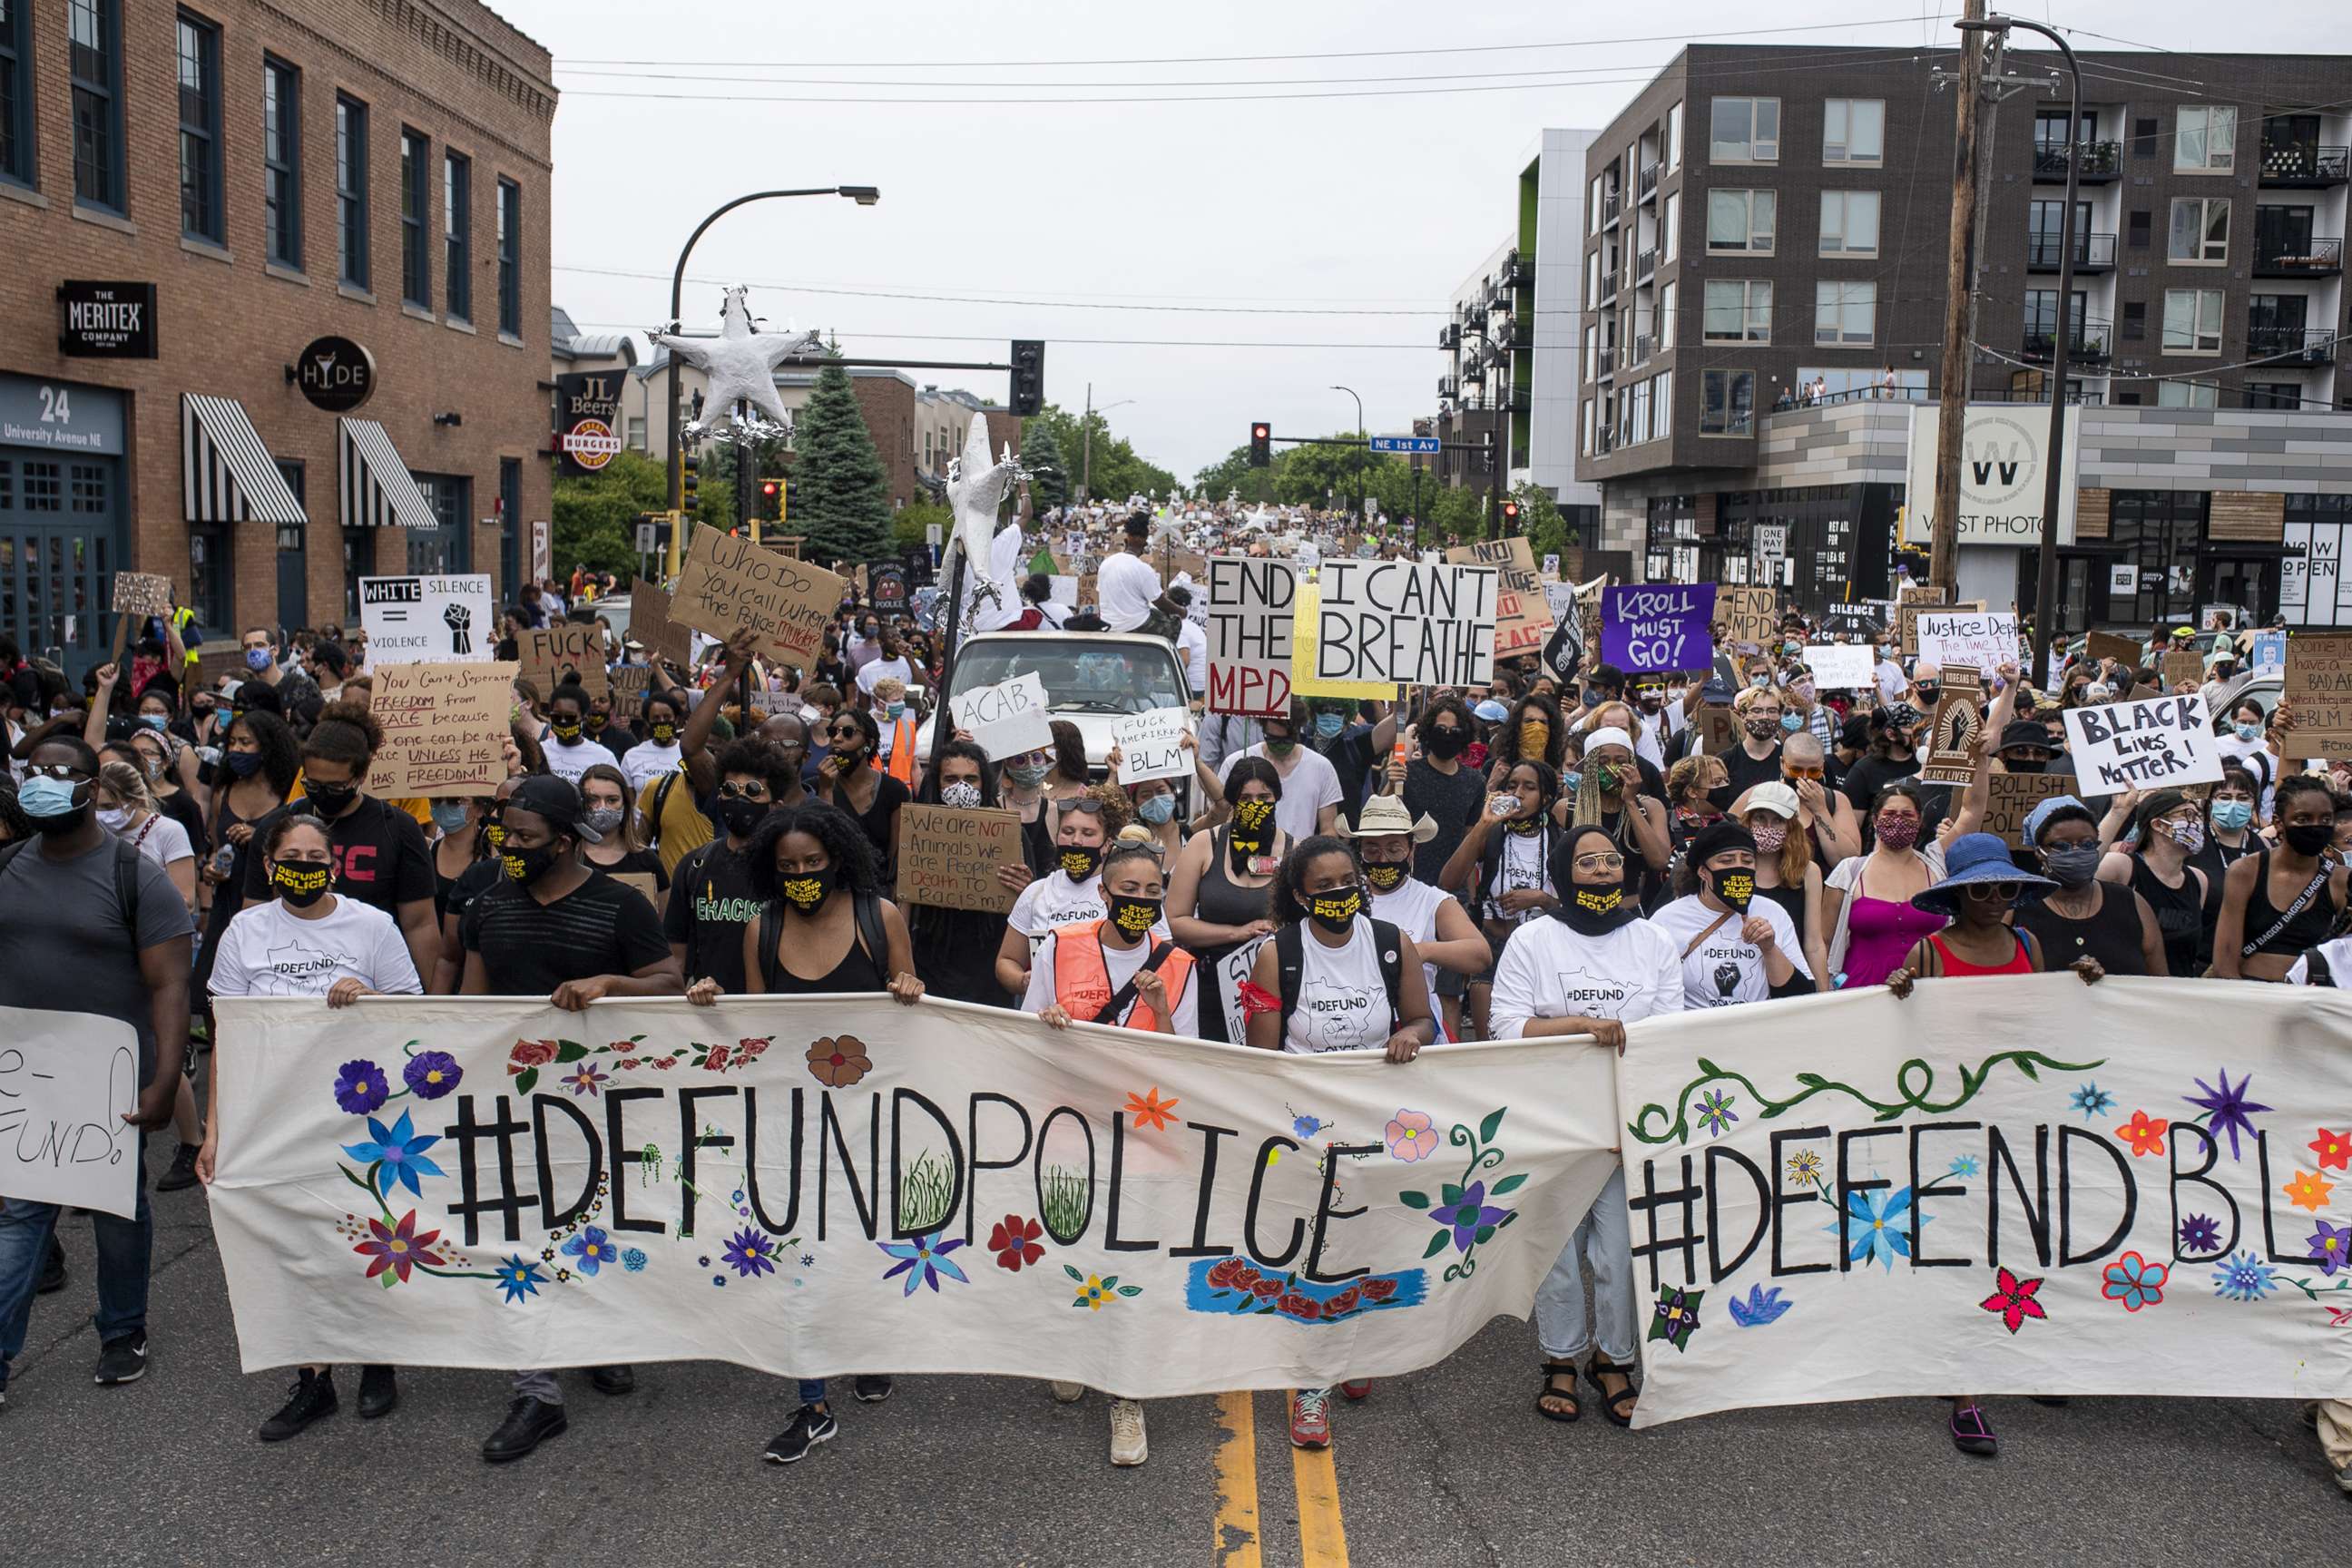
[1360, 455]
[2045, 591]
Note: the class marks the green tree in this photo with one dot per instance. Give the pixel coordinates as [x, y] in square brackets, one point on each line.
[1041, 455]
[1091, 455]
[840, 494]
[595, 517]
[908, 528]
[1544, 524]
[1232, 475]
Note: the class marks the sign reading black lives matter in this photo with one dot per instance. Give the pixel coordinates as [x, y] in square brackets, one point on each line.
[335, 373]
[1403, 621]
[105, 321]
[587, 406]
[2160, 740]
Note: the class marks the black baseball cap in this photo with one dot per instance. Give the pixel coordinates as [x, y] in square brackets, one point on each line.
[558, 800]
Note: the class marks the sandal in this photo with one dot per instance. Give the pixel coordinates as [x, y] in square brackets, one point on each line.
[1612, 1406]
[1554, 1371]
[1973, 1433]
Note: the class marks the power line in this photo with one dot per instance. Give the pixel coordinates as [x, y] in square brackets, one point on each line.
[1026, 304]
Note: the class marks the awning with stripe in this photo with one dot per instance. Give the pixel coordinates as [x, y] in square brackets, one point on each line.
[378, 491]
[227, 475]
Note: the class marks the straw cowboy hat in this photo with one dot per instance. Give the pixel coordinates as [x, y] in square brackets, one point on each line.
[1385, 815]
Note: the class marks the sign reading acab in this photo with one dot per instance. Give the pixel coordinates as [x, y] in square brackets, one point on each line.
[2003, 479]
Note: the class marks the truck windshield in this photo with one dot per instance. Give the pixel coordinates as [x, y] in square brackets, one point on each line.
[1081, 677]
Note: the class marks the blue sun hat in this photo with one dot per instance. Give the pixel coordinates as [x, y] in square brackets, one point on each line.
[1971, 860]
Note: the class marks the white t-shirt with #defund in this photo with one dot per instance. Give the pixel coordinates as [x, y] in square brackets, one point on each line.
[1727, 968]
[269, 951]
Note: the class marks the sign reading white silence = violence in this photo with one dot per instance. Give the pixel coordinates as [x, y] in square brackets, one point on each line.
[1405, 622]
[2158, 742]
[428, 620]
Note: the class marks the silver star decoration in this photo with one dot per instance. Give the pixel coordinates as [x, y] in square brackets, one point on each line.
[740, 362]
[976, 490]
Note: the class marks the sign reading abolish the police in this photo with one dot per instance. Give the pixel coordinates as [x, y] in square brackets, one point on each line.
[2160, 740]
[1250, 602]
[2050, 1188]
[814, 1185]
[1403, 621]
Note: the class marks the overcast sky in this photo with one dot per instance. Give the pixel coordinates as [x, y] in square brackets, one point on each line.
[1374, 204]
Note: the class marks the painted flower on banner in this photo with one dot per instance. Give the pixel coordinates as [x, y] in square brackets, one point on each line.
[2144, 1133]
[2015, 1300]
[2243, 1276]
[1150, 1111]
[634, 1261]
[1805, 1168]
[838, 1063]
[518, 1278]
[431, 1074]
[1410, 1138]
[1675, 1318]
[1015, 1239]
[2134, 1281]
[2309, 1190]
[395, 1249]
[1758, 1308]
[2091, 1101]
[1095, 1291]
[1715, 1112]
[396, 1154]
[360, 1088]
[1465, 1220]
[1964, 1167]
[593, 1249]
[923, 1260]
[2331, 1246]
[2231, 1111]
[750, 1253]
[1466, 1210]
[1878, 1226]
[2200, 1232]
[2334, 1150]
[585, 1079]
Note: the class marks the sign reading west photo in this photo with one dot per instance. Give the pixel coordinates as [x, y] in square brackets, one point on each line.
[2002, 477]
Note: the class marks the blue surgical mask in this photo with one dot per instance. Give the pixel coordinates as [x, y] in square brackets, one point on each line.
[1570, 781]
[1329, 725]
[256, 660]
[2250, 732]
[1156, 810]
[153, 721]
[448, 815]
[45, 796]
[2231, 816]
[1792, 723]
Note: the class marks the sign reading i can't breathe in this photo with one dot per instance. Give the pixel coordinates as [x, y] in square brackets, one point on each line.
[1401, 621]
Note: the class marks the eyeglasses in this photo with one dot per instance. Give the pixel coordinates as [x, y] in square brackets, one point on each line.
[59, 770]
[1603, 862]
[1792, 771]
[2005, 892]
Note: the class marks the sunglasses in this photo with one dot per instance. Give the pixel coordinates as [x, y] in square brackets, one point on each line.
[2004, 892]
[1600, 862]
[1082, 807]
[58, 770]
[1794, 771]
[731, 791]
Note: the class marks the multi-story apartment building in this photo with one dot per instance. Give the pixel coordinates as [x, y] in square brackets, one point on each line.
[274, 312]
[1767, 228]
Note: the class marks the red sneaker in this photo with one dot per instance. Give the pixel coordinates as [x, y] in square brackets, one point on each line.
[1361, 1388]
[1310, 1418]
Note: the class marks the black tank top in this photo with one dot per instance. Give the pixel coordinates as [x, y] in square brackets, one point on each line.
[1223, 901]
[2299, 935]
[1793, 902]
[2111, 934]
[2179, 914]
[857, 971]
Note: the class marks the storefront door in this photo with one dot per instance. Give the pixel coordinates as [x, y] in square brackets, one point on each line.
[62, 518]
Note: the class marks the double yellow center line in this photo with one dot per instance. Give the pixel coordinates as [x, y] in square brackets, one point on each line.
[1322, 1542]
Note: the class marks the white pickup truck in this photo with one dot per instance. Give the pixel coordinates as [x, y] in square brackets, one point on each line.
[1090, 678]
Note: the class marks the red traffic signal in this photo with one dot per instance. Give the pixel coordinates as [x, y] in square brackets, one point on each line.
[768, 489]
[1510, 514]
[1261, 446]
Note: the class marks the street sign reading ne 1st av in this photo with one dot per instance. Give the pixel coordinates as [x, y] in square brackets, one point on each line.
[1429, 445]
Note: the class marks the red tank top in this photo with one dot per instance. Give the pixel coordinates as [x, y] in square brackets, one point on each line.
[1956, 967]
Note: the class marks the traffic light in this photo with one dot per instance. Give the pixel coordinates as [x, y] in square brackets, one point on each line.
[1261, 445]
[1028, 376]
[690, 469]
[771, 493]
[1510, 516]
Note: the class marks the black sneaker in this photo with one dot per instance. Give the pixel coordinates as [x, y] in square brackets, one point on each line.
[183, 1172]
[122, 1360]
[530, 1421]
[379, 1392]
[810, 1425]
[310, 1399]
[871, 1390]
[614, 1379]
[53, 1272]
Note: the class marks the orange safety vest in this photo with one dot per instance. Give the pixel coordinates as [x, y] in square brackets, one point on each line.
[901, 766]
[1082, 980]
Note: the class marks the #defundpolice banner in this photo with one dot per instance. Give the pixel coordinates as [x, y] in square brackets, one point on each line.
[2015, 1185]
[819, 1186]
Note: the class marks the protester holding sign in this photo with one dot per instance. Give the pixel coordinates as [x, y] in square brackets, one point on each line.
[1217, 890]
[955, 949]
[2280, 903]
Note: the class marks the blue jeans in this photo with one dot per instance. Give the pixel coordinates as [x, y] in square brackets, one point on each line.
[812, 1390]
[1604, 1245]
[125, 1247]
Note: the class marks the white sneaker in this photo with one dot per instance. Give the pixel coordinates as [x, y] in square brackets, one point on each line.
[1068, 1393]
[1126, 1444]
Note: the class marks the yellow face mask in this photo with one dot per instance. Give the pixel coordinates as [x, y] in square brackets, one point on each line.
[1535, 739]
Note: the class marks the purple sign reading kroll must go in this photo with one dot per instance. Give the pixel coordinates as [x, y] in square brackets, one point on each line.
[1658, 626]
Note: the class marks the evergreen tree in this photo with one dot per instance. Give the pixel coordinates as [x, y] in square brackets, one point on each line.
[1049, 478]
[840, 495]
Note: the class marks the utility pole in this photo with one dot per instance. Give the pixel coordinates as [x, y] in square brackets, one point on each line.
[1960, 275]
[1086, 446]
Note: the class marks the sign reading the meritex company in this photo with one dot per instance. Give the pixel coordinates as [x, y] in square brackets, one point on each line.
[1402, 622]
[2003, 451]
[105, 321]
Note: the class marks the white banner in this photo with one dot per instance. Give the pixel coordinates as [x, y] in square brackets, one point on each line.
[429, 620]
[821, 1185]
[1998, 1187]
[2158, 743]
[66, 1079]
[1008, 719]
[1151, 744]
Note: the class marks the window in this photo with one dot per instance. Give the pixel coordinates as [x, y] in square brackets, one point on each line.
[2142, 224]
[1591, 353]
[2205, 139]
[636, 437]
[2200, 231]
[1853, 130]
[94, 29]
[1845, 313]
[1674, 138]
[2272, 395]
[352, 190]
[457, 232]
[1592, 206]
[2144, 134]
[16, 92]
[1727, 402]
[1674, 226]
[415, 211]
[2192, 320]
[1640, 415]
[2187, 395]
[1738, 311]
[200, 149]
[1849, 223]
[2135, 321]
[1662, 404]
[1742, 221]
[1588, 426]
[1745, 131]
[212, 578]
[447, 547]
[509, 259]
[1845, 383]
[1591, 279]
[1667, 307]
[282, 160]
[2041, 318]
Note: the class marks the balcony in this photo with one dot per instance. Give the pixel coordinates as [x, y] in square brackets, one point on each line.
[1648, 188]
[1638, 351]
[2297, 255]
[1504, 332]
[1606, 360]
[1645, 266]
[1608, 288]
[1449, 337]
[2096, 162]
[2288, 348]
[2085, 345]
[1449, 386]
[1612, 207]
[2306, 164]
[1518, 272]
[1522, 400]
[2093, 252]
[1473, 374]
[1605, 441]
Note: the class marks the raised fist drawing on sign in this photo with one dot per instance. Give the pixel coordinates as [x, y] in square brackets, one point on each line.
[461, 628]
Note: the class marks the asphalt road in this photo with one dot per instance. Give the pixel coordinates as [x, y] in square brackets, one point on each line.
[1450, 1465]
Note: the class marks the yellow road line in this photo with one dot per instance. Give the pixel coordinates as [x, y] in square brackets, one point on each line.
[1236, 1467]
[1322, 1544]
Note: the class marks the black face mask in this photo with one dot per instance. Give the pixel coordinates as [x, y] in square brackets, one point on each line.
[2309, 838]
[1734, 888]
[332, 800]
[741, 816]
[1079, 862]
[1445, 744]
[527, 865]
[2026, 764]
[1385, 879]
[301, 883]
[1336, 911]
[1595, 910]
[1133, 917]
[807, 893]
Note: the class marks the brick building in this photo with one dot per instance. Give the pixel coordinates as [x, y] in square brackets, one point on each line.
[222, 188]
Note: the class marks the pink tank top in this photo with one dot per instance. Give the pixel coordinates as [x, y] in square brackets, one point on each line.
[1879, 933]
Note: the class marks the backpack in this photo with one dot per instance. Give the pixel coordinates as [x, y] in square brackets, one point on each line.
[1290, 959]
[126, 880]
[868, 909]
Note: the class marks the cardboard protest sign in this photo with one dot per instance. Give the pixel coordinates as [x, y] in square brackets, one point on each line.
[1752, 615]
[141, 594]
[66, 1079]
[1953, 729]
[446, 728]
[729, 583]
[644, 882]
[1658, 626]
[1007, 719]
[2318, 688]
[1972, 639]
[1302, 655]
[1842, 666]
[2108, 645]
[2183, 666]
[1907, 621]
[1404, 624]
[1231, 971]
[1151, 746]
[1522, 615]
[2162, 741]
[566, 651]
[428, 620]
[1250, 605]
[657, 633]
[949, 858]
[2011, 797]
[630, 683]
